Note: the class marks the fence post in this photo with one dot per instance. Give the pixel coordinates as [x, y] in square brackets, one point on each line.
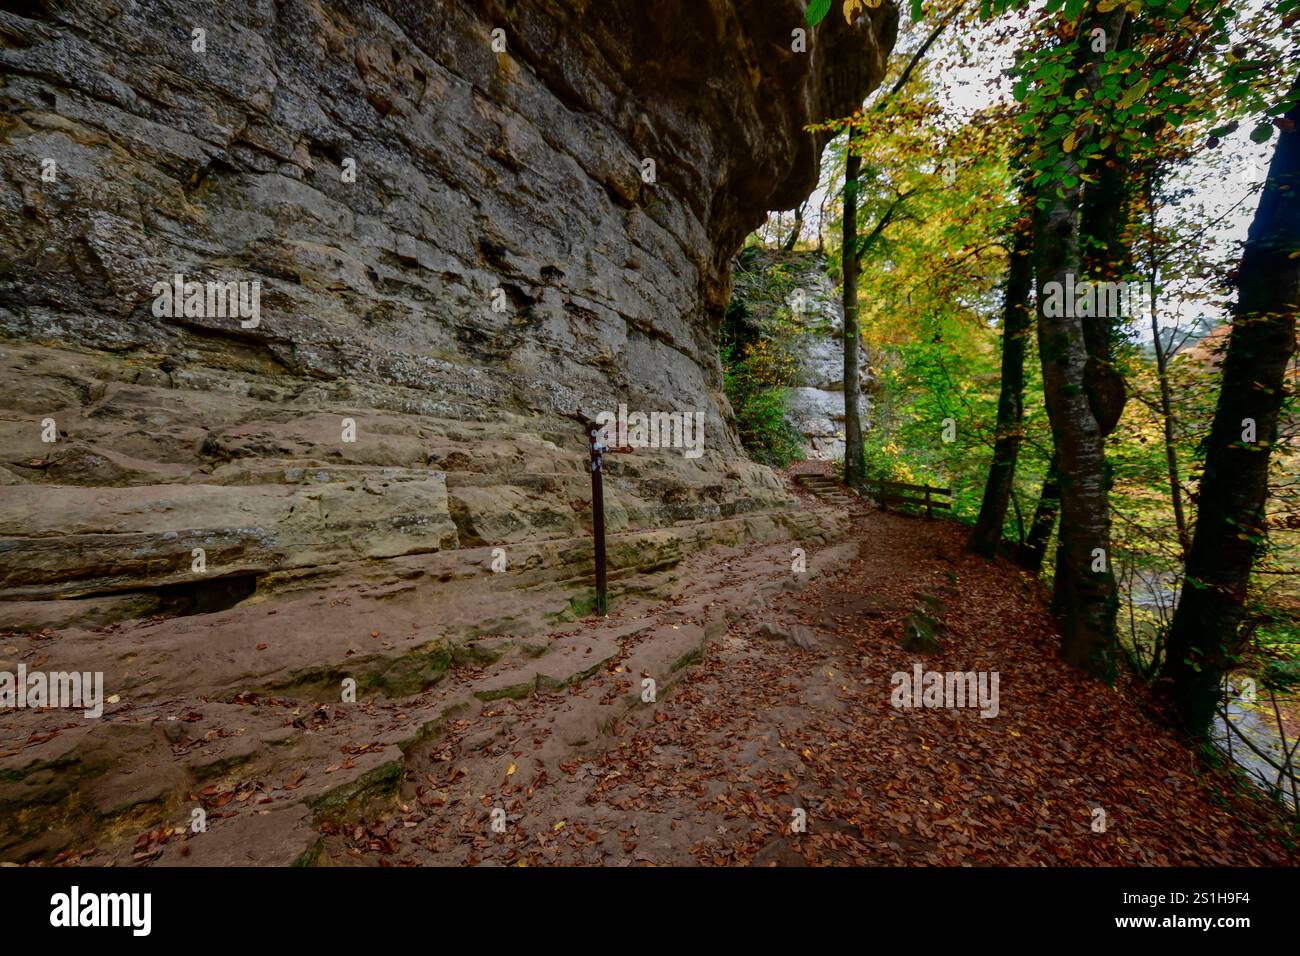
[598, 513]
[929, 513]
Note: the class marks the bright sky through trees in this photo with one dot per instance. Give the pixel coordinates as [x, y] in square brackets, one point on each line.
[967, 70]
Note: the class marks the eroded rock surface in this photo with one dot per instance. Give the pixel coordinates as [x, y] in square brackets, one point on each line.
[459, 257]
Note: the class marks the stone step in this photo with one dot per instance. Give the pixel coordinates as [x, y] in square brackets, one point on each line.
[817, 488]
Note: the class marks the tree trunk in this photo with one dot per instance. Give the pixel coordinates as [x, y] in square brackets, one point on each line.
[794, 233]
[1162, 373]
[821, 221]
[1171, 448]
[855, 466]
[1084, 587]
[854, 455]
[987, 534]
[1031, 553]
[1231, 527]
[1084, 594]
[1104, 252]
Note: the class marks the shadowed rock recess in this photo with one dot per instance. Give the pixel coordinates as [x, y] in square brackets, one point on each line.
[202, 531]
[512, 178]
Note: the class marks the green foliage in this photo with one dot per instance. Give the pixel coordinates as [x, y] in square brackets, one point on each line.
[760, 400]
[930, 300]
[759, 363]
[1089, 100]
[817, 10]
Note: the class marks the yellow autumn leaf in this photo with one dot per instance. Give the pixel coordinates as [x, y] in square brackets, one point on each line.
[1068, 143]
[852, 7]
[1133, 94]
[510, 770]
[559, 826]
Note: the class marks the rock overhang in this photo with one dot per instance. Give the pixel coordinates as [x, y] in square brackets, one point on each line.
[388, 177]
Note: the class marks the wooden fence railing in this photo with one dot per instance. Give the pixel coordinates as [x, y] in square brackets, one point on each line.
[898, 493]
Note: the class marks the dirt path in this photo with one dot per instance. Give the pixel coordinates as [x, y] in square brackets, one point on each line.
[726, 697]
[714, 771]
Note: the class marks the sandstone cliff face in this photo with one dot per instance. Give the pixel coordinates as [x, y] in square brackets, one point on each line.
[458, 254]
[796, 285]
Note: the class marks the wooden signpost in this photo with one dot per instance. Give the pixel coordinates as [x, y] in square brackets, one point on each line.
[598, 450]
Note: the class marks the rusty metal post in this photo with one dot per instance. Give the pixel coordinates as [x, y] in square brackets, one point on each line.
[598, 513]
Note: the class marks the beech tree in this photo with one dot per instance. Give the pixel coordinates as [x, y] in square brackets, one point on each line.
[853, 247]
[1084, 594]
[1231, 529]
[1016, 325]
[1031, 554]
[854, 460]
